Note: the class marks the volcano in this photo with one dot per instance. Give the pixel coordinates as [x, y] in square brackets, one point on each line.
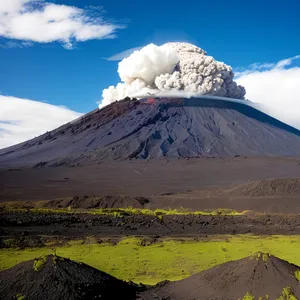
[153, 128]
[260, 275]
[54, 277]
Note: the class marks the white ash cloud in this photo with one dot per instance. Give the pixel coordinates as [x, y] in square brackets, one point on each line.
[171, 68]
[139, 71]
[147, 64]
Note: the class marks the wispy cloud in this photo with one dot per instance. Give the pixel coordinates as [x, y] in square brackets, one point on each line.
[253, 67]
[286, 62]
[43, 22]
[261, 66]
[123, 54]
[23, 119]
[276, 86]
[13, 44]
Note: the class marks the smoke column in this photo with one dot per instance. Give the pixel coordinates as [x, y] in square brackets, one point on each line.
[173, 69]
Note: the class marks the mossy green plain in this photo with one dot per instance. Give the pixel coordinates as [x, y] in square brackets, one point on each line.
[170, 259]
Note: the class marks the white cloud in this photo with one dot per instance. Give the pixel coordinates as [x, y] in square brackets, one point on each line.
[13, 44]
[22, 119]
[44, 22]
[277, 87]
[123, 54]
[286, 62]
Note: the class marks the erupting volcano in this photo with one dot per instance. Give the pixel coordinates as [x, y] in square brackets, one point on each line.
[177, 103]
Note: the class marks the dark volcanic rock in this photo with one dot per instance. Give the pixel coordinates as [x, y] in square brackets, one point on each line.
[118, 201]
[259, 276]
[163, 128]
[55, 278]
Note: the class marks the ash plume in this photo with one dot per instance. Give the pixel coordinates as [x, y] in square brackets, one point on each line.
[173, 68]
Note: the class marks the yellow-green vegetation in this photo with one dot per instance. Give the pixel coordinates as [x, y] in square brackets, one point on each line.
[20, 297]
[297, 275]
[263, 256]
[120, 212]
[162, 212]
[141, 260]
[248, 297]
[39, 263]
[287, 294]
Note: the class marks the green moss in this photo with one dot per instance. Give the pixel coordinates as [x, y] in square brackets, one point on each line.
[263, 256]
[120, 212]
[161, 212]
[163, 259]
[297, 275]
[39, 263]
[20, 297]
[287, 294]
[160, 218]
[248, 297]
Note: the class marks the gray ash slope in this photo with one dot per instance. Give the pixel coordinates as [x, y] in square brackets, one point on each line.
[54, 277]
[258, 276]
[159, 128]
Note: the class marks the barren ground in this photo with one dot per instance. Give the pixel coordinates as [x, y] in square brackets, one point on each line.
[153, 178]
[194, 184]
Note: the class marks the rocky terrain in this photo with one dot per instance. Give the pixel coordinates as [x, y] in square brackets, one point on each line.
[27, 226]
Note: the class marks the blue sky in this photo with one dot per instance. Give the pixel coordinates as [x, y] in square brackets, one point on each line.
[37, 65]
[237, 32]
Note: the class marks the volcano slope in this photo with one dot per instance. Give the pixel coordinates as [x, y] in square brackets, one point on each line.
[260, 275]
[54, 277]
[154, 128]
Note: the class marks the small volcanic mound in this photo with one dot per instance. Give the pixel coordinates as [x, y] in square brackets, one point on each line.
[53, 277]
[86, 202]
[258, 276]
[269, 187]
